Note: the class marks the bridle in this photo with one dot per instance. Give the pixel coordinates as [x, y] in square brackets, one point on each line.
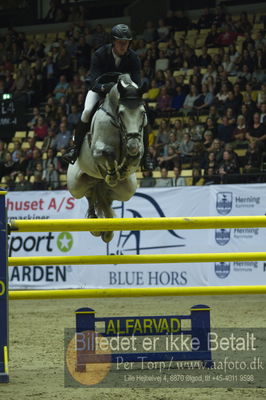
[118, 123]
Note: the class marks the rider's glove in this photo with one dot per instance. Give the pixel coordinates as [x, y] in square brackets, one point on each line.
[106, 87]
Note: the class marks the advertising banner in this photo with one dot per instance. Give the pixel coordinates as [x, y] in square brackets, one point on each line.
[149, 203]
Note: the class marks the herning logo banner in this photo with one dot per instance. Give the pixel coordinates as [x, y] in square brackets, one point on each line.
[224, 202]
[222, 236]
[222, 269]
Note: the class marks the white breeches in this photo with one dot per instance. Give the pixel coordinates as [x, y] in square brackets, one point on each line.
[90, 101]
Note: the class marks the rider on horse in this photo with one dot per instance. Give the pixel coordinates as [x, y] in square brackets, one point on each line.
[114, 57]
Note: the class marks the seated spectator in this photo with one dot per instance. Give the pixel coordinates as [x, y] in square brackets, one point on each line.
[163, 31]
[51, 177]
[149, 33]
[204, 59]
[33, 122]
[159, 78]
[41, 129]
[178, 99]
[207, 139]
[74, 117]
[210, 73]
[262, 112]
[245, 25]
[178, 180]
[75, 87]
[20, 86]
[211, 162]
[257, 132]
[147, 179]
[49, 140]
[249, 91]
[141, 49]
[211, 126]
[8, 165]
[173, 142]
[194, 129]
[22, 183]
[250, 104]
[181, 21]
[226, 37]
[221, 97]
[51, 159]
[21, 164]
[198, 155]
[205, 20]
[61, 88]
[218, 149]
[100, 37]
[227, 167]
[225, 130]
[169, 161]
[190, 100]
[169, 77]
[229, 113]
[211, 39]
[213, 114]
[210, 177]
[203, 103]
[244, 76]
[239, 134]
[62, 138]
[62, 164]
[153, 92]
[163, 101]
[197, 179]
[164, 180]
[262, 95]
[17, 148]
[179, 130]
[186, 148]
[36, 158]
[176, 60]
[252, 162]
[171, 48]
[48, 113]
[227, 64]
[162, 138]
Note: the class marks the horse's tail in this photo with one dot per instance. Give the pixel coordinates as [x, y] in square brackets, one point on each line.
[101, 199]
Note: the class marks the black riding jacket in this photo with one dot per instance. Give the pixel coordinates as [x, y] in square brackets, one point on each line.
[103, 62]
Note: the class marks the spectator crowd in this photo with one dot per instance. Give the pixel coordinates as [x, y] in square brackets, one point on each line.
[206, 98]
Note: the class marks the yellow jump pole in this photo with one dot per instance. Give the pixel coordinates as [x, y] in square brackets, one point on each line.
[137, 259]
[139, 292]
[127, 224]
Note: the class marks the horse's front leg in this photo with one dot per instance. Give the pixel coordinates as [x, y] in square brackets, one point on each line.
[129, 163]
[112, 173]
[92, 214]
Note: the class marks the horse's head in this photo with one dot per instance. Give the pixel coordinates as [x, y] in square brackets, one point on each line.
[131, 114]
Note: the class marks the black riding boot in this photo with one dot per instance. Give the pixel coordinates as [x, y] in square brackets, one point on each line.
[73, 152]
[145, 161]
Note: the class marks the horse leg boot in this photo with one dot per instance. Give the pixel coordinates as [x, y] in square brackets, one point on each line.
[73, 152]
[92, 214]
[112, 177]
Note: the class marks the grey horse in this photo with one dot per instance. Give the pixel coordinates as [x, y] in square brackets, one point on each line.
[111, 152]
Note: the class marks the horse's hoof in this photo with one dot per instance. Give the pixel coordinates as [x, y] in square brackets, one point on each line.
[123, 174]
[111, 180]
[107, 236]
[97, 234]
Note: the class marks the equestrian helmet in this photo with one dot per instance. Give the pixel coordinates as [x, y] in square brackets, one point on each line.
[121, 32]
